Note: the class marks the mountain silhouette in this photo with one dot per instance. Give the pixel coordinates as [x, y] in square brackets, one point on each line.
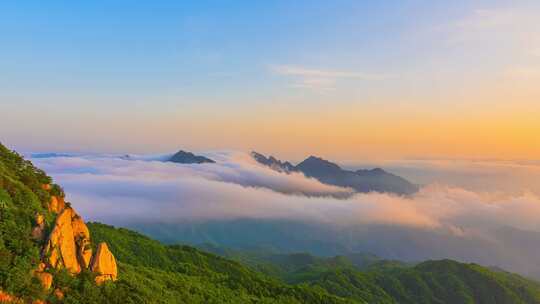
[326, 172]
[183, 157]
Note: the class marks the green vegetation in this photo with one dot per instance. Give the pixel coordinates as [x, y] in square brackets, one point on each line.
[365, 278]
[184, 274]
[21, 197]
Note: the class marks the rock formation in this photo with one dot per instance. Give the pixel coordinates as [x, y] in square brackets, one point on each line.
[61, 249]
[104, 264]
[68, 246]
[57, 204]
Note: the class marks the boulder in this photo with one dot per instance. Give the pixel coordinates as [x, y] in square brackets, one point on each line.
[104, 264]
[60, 250]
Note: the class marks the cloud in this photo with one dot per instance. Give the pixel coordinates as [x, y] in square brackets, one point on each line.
[231, 168]
[440, 221]
[238, 187]
[505, 177]
[321, 79]
[514, 30]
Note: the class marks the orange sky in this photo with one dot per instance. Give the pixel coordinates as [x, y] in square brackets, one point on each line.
[455, 82]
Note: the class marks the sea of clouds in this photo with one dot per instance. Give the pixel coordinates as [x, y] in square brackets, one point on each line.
[460, 201]
[146, 188]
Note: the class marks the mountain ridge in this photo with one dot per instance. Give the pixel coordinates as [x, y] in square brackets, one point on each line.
[362, 180]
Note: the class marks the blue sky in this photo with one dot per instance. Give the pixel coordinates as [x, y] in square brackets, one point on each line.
[125, 64]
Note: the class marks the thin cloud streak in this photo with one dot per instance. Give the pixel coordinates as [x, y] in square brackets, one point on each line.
[321, 79]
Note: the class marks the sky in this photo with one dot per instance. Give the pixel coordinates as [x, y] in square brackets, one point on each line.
[348, 80]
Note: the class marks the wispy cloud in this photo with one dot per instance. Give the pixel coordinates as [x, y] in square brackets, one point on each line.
[321, 79]
[516, 27]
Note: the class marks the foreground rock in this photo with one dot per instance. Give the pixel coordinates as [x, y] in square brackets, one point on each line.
[69, 246]
[104, 264]
[61, 249]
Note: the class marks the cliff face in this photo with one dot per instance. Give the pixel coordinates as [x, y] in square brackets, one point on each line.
[68, 246]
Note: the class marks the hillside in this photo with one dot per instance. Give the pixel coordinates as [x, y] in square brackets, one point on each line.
[358, 278]
[204, 275]
[364, 277]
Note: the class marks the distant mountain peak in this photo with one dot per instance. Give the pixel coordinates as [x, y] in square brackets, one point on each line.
[273, 162]
[184, 157]
[314, 165]
[364, 180]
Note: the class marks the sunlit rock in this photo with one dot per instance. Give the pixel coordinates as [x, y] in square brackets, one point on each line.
[104, 264]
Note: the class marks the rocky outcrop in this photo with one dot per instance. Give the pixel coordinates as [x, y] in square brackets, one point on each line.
[104, 264]
[61, 249]
[69, 246]
[57, 204]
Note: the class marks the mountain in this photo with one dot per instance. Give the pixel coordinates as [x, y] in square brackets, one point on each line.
[183, 157]
[48, 254]
[330, 173]
[189, 275]
[509, 248]
[443, 281]
[368, 279]
[303, 278]
[273, 163]
[42, 238]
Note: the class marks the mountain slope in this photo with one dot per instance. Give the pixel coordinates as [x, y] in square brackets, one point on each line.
[365, 278]
[206, 276]
[434, 282]
[21, 198]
